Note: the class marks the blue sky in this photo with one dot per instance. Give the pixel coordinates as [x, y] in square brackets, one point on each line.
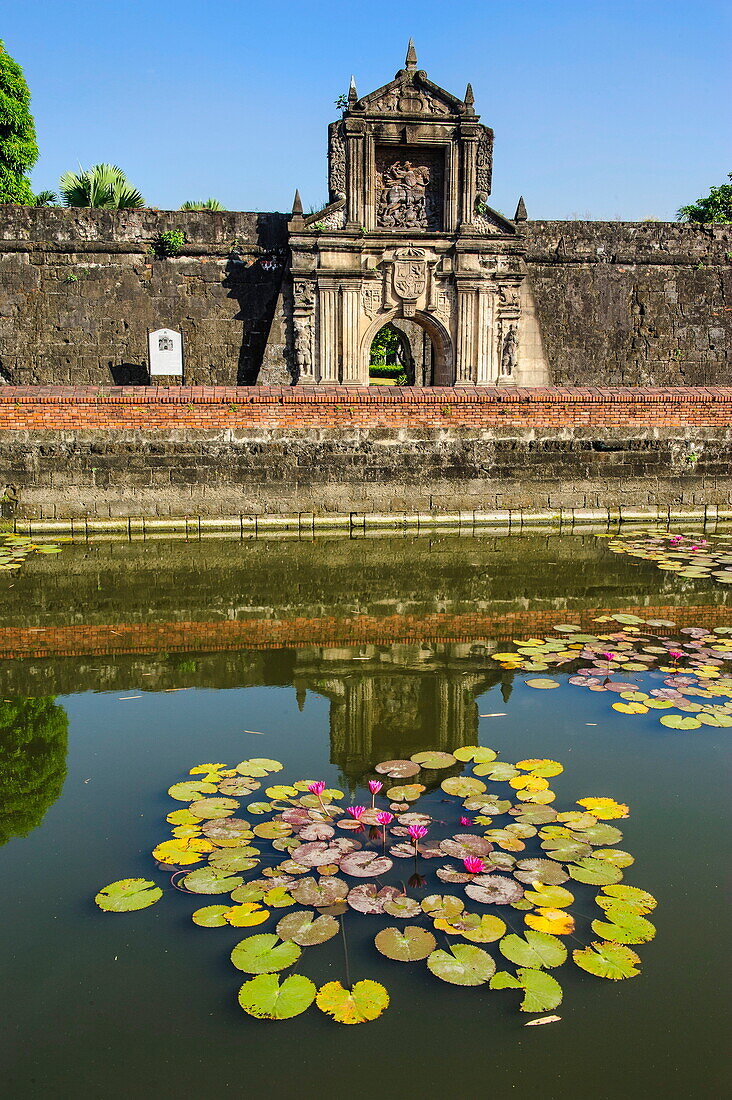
[601, 108]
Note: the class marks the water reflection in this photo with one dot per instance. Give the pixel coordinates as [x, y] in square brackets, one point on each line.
[33, 743]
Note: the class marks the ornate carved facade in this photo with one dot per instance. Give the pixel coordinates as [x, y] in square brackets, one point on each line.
[408, 234]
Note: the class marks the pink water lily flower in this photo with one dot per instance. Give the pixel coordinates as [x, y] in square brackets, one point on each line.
[474, 865]
[417, 832]
[466, 821]
[356, 811]
[317, 787]
[384, 818]
[608, 656]
[375, 785]
[677, 654]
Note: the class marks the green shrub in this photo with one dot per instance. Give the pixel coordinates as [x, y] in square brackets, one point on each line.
[168, 243]
[18, 148]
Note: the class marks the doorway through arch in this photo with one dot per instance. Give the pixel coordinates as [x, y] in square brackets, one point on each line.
[403, 352]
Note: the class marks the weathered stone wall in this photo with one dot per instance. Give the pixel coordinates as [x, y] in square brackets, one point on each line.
[633, 303]
[293, 451]
[619, 303]
[79, 291]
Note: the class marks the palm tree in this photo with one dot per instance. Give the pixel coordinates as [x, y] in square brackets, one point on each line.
[103, 186]
[209, 204]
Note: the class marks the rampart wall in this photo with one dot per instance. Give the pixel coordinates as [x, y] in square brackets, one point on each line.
[186, 451]
[646, 303]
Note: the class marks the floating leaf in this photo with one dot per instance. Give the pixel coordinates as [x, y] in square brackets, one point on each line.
[402, 906]
[320, 893]
[365, 1001]
[542, 990]
[214, 807]
[463, 964]
[266, 999]
[281, 791]
[608, 960]
[595, 872]
[278, 898]
[407, 793]
[540, 870]
[640, 900]
[127, 895]
[182, 850]
[477, 753]
[464, 845]
[264, 954]
[434, 761]
[397, 769]
[677, 722]
[463, 786]
[408, 944]
[365, 864]
[554, 921]
[368, 899]
[542, 684]
[306, 928]
[183, 817]
[534, 949]
[210, 880]
[258, 766]
[544, 768]
[605, 808]
[555, 897]
[624, 927]
[211, 916]
[494, 890]
[246, 915]
[190, 790]
[444, 906]
[487, 929]
[227, 832]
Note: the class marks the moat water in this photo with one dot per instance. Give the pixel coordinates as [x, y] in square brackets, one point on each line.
[126, 664]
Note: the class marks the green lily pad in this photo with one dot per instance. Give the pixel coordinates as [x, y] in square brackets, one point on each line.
[540, 870]
[258, 766]
[535, 949]
[214, 807]
[190, 790]
[365, 1001]
[463, 786]
[408, 944]
[542, 683]
[307, 929]
[624, 927]
[498, 771]
[444, 906]
[477, 753]
[463, 964]
[608, 960]
[616, 856]
[211, 880]
[631, 897]
[602, 834]
[127, 895]
[542, 991]
[211, 916]
[434, 761]
[264, 954]
[268, 999]
[595, 872]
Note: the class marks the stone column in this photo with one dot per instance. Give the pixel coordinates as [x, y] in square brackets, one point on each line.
[485, 374]
[452, 176]
[355, 166]
[350, 311]
[467, 194]
[329, 333]
[466, 345]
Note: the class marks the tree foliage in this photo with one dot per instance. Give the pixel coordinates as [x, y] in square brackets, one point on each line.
[104, 186]
[33, 736]
[715, 207]
[18, 148]
[207, 204]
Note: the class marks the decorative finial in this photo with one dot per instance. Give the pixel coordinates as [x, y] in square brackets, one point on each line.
[520, 215]
[352, 93]
[411, 60]
[469, 97]
[297, 204]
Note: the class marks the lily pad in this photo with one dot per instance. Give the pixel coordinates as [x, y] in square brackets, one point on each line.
[210, 880]
[542, 684]
[319, 893]
[624, 927]
[542, 991]
[608, 960]
[554, 896]
[640, 900]
[477, 753]
[267, 999]
[408, 944]
[595, 872]
[409, 792]
[127, 895]
[444, 906]
[264, 954]
[434, 761]
[556, 922]
[397, 769]
[540, 870]
[677, 722]
[211, 916]
[487, 929]
[463, 964]
[365, 864]
[494, 889]
[365, 1001]
[190, 790]
[367, 898]
[214, 807]
[464, 786]
[534, 949]
[402, 906]
[306, 928]
[605, 808]
[246, 915]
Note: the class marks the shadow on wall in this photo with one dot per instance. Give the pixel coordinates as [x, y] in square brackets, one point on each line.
[254, 283]
[129, 374]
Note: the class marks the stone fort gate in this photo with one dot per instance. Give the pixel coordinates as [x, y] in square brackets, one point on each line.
[408, 238]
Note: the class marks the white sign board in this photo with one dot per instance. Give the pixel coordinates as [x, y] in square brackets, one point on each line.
[166, 353]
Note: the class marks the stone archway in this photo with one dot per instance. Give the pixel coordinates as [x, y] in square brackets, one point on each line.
[443, 359]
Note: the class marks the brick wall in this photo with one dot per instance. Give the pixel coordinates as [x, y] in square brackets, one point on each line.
[228, 451]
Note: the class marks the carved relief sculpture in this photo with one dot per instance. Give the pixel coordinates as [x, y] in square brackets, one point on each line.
[409, 194]
[509, 356]
[304, 347]
[336, 162]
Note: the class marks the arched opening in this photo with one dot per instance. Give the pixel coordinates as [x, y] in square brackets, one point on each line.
[391, 362]
[413, 351]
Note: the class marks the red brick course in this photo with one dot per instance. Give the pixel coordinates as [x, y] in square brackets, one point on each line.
[288, 409]
[151, 638]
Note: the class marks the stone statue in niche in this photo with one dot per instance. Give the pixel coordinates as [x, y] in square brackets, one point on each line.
[303, 346]
[509, 357]
[403, 198]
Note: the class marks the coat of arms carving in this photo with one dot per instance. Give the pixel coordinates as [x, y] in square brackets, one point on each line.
[410, 273]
